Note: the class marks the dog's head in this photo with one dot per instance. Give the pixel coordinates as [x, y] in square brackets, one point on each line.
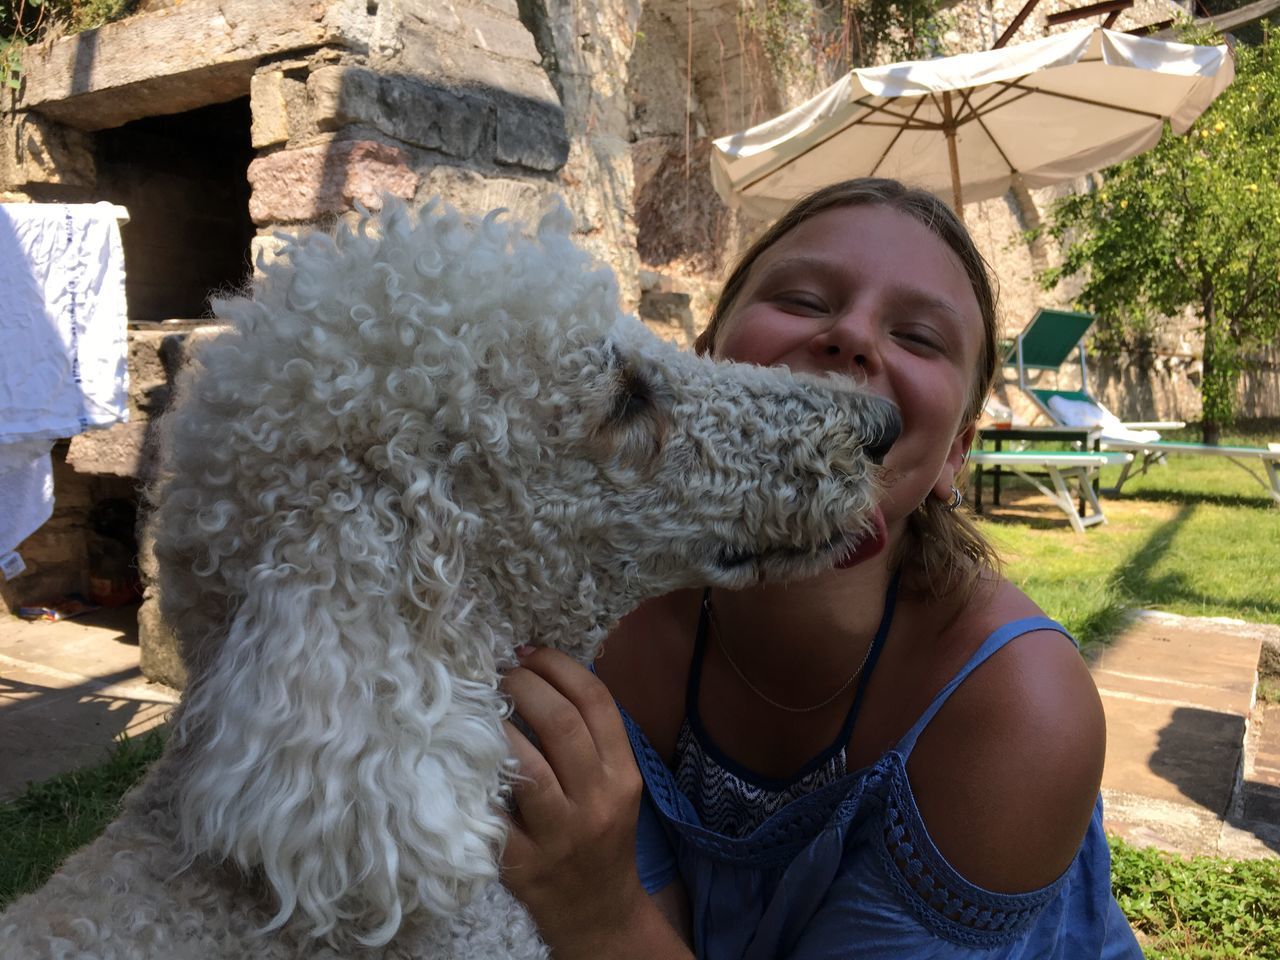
[423, 441]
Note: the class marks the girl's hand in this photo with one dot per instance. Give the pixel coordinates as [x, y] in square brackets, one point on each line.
[571, 854]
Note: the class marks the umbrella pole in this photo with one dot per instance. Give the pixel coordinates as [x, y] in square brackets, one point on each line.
[949, 128]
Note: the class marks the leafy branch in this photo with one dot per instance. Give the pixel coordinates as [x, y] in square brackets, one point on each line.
[1193, 224]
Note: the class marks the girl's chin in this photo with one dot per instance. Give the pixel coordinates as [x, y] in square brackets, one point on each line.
[872, 542]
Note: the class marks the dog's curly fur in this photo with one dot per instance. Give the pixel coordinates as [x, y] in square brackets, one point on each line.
[423, 441]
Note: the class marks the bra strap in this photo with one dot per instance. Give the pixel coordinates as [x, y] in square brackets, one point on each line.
[995, 642]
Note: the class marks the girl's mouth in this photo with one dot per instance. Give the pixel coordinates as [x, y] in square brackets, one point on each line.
[871, 543]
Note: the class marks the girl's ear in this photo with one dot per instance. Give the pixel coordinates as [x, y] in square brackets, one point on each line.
[957, 456]
[331, 749]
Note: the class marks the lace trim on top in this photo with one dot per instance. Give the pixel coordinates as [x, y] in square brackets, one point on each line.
[727, 803]
[776, 841]
[942, 900]
[733, 801]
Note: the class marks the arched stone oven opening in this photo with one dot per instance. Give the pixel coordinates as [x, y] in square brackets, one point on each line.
[182, 179]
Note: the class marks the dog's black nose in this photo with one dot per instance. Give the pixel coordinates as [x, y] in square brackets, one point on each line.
[877, 448]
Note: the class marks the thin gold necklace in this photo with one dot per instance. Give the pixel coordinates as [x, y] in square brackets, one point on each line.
[724, 647]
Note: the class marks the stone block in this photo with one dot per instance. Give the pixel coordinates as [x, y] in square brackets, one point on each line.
[340, 96]
[120, 450]
[509, 8]
[158, 649]
[474, 193]
[197, 53]
[439, 15]
[530, 133]
[36, 150]
[417, 113]
[433, 117]
[458, 61]
[270, 123]
[148, 379]
[495, 29]
[309, 182]
[500, 34]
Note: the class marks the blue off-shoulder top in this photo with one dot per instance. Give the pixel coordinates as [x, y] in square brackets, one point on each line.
[849, 871]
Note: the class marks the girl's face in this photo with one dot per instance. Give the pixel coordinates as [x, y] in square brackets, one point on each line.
[871, 292]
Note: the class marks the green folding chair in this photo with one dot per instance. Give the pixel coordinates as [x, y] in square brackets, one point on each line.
[1047, 343]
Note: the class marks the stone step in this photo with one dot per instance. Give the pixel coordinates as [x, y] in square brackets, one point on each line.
[1188, 750]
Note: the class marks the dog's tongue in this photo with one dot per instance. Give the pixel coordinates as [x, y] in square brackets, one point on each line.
[871, 543]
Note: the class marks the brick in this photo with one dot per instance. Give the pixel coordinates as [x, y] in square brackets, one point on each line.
[270, 114]
[309, 182]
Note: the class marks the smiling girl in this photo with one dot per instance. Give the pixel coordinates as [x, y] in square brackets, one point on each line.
[898, 758]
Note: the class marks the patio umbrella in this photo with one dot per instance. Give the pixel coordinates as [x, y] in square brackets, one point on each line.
[1046, 111]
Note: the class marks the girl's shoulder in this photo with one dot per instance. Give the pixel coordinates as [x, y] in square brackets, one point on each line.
[645, 664]
[1007, 773]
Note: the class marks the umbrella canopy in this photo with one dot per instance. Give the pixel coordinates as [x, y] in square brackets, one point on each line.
[1047, 111]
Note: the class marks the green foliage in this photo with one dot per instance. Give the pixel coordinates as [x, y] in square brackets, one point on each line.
[1198, 908]
[54, 818]
[27, 21]
[1269, 689]
[817, 40]
[1193, 223]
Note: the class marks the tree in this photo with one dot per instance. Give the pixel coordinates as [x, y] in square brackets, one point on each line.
[1193, 223]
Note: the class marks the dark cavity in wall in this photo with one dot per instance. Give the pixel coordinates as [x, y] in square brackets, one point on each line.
[536, 19]
[183, 179]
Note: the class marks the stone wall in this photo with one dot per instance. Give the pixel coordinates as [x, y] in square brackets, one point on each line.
[345, 100]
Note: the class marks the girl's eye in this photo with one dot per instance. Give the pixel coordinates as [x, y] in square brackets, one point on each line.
[803, 301]
[922, 338]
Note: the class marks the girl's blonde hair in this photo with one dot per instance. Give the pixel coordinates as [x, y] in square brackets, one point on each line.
[943, 553]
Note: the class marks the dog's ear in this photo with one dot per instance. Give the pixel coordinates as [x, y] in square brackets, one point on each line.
[330, 748]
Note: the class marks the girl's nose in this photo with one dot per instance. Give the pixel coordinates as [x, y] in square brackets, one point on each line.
[848, 345]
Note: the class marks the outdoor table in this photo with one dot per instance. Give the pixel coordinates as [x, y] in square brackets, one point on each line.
[1084, 438]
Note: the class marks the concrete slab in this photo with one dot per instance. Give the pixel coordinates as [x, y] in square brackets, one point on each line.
[67, 691]
[1174, 753]
[1197, 662]
[1177, 694]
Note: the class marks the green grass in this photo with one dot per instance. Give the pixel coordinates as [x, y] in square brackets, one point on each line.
[1198, 908]
[51, 819]
[1195, 536]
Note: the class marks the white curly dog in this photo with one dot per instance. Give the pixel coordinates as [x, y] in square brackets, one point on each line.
[423, 441]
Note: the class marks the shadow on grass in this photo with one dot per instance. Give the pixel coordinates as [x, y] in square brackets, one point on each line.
[1129, 584]
[1193, 498]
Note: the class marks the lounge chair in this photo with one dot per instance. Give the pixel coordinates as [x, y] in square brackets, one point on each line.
[1077, 466]
[1046, 343]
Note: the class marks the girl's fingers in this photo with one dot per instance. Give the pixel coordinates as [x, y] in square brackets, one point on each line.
[561, 730]
[589, 696]
[536, 791]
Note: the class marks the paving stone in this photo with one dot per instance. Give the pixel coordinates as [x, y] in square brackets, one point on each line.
[1172, 752]
[67, 691]
[1147, 822]
[1187, 658]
